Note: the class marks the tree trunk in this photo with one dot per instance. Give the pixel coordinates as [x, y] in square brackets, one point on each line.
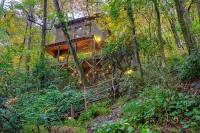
[136, 57]
[159, 33]
[175, 34]
[185, 24]
[198, 8]
[28, 40]
[69, 42]
[44, 26]
[43, 43]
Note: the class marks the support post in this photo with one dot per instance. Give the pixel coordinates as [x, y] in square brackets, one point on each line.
[58, 54]
[93, 60]
[72, 110]
[85, 100]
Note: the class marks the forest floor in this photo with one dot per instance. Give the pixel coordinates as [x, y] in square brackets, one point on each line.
[192, 85]
[114, 116]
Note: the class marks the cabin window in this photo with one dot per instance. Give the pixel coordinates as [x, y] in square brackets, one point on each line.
[78, 32]
[87, 30]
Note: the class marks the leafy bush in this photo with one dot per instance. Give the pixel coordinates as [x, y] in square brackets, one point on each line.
[185, 110]
[191, 67]
[121, 101]
[45, 107]
[175, 62]
[148, 108]
[131, 83]
[97, 109]
[9, 119]
[158, 105]
[115, 127]
[156, 75]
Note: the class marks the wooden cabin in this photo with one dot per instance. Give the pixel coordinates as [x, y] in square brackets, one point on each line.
[87, 39]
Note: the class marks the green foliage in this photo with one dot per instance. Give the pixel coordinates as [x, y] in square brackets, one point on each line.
[9, 119]
[175, 63]
[114, 46]
[155, 105]
[26, 4]
[149, 107]
[121, 126]
[31, 128]
[6, 68]
[121, 101]
[147, 47]
[185, 109]
[191, 67]
[156, 75]
[50, 74]
[46, 107]
[15, 80]
[196, 27]
[97, 109]
[132, 83]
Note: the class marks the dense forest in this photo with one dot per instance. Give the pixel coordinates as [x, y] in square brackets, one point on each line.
[99, 66]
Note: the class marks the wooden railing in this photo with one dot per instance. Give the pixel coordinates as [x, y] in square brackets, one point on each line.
[102, 91]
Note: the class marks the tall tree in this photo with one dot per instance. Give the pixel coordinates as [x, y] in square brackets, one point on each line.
[131, 18]
[63, 24]
[170, 13]
[43, 43]
[185, 24]
[44, 25]
[174, 32]
[159, 32]
[28, 38]
[198, 8]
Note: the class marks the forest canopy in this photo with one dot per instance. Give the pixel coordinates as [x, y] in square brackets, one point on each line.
[101, 66]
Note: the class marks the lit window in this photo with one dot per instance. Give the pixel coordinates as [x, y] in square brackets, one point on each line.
[87, 30]
[78, 32]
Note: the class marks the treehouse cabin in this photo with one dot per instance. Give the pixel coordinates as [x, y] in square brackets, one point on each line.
[87, 41]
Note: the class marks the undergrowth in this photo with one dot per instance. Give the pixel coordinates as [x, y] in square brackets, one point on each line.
[97, 109]
[158, 106]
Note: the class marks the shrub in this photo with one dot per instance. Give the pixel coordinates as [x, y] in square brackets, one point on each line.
[175, 63]
[158, 105]
[191, 67]
[97, 109]
[185, 110]
[132, 83]
[46, 107]
[9, 119]
[115, 127]
[156, 75]
[148, 108]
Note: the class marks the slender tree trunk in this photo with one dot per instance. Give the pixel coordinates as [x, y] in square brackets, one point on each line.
[69, 42]
[136, 57]
[159, 33]
[21, 56]
[43, 43]
[198, 8]
[28, 40]
[44, 26]
[175, 34]
[185, 24]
